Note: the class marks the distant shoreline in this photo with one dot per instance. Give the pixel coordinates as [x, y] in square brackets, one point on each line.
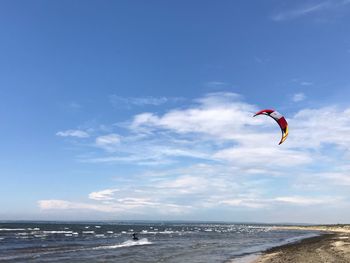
[325, 228]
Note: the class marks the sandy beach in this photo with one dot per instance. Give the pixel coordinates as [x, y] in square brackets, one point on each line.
[332, 246]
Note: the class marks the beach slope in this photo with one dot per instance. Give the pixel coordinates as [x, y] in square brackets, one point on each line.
[327, 248]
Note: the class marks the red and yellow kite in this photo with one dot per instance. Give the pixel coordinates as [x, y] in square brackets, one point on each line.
[278, 117]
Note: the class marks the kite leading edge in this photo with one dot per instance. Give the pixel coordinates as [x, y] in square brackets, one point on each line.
[278, 117]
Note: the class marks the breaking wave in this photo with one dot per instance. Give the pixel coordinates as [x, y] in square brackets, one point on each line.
[128, 243]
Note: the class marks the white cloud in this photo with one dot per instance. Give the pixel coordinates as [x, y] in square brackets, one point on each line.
[300, 200]
[263, 156]
[313, 128]
[216, 84]
[67, 205]
[299, 97]
[124, 205]
[341, 178]
[73, 133]
[149, 153]
[218, 114]
[74, 105]
[107, 194]
[239, 202]
[186, 190]
[128, 102]
[109, 142]
[185, 185]
[270, 202]
[306, 83]
[292, 14]
[310, 9]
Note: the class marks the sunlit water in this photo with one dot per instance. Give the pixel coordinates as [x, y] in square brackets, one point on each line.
[158, 242]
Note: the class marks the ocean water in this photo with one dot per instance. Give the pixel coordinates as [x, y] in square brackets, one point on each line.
[158, 242]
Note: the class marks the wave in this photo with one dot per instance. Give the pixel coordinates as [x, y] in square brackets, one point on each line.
[12, 229]
[57, 232]
[128, 243]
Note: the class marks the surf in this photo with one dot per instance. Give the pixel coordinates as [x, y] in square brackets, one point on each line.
[128, 243]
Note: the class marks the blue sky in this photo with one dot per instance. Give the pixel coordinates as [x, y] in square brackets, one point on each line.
[143, 110]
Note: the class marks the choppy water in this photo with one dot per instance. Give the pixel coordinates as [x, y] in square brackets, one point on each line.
[159, 242]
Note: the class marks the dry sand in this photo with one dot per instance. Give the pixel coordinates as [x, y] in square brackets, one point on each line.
[331, 247]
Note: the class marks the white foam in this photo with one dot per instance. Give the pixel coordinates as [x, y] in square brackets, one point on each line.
[88, 232]
[12, 229]
[33, 229]
[22, 234]
[58, 232]
[167, 232]
[128, 243]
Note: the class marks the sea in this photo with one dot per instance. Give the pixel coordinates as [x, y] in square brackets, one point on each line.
[173, 242]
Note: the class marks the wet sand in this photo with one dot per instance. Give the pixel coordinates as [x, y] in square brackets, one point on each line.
[327, 248]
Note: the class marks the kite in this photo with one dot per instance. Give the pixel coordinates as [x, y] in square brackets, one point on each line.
[278, 117]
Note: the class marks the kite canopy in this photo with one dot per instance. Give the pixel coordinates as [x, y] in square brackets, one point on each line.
[278, 117]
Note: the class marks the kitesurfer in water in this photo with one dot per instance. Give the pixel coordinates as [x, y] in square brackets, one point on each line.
[135, 237]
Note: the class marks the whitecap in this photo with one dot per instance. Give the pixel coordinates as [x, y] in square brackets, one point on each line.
[166, 232]
[12, 229]
[22, 234]
[57, 232]
[88, 232]
[128, 243]
[33, 229]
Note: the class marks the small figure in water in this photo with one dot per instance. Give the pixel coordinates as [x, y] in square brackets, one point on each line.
[135, 237]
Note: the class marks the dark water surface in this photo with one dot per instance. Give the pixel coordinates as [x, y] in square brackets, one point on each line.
[158, 242]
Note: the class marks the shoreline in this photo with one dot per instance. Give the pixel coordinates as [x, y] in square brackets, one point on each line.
[333, 245]
[322, 228]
